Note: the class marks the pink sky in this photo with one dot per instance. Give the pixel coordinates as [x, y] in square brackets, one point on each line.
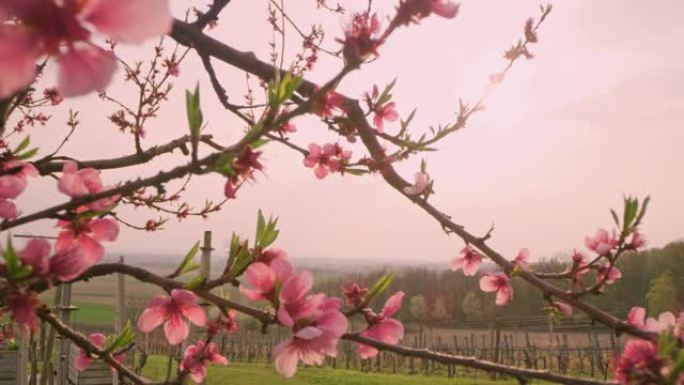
[597, 114]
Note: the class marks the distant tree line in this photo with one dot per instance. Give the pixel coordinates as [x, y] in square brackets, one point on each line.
[652, 278]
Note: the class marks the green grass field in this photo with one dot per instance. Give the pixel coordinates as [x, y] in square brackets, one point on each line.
[255, 374]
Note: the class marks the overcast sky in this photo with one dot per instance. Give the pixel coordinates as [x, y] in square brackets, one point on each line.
[597, 114]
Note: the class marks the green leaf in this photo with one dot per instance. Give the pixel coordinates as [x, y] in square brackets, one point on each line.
[189, 263]
[23, 145]
[380, 286]
[28, 154]
[261, 226]
[631, 207]
[195, 282]
[194, 112]
[386, 96]
[642, 211]
[258, 143]
[122, 340]
[615, 217]
[10, 255]
[242, 259]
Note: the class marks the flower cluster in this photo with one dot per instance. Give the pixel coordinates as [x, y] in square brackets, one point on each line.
[13, 181]
[242, 170]
[360, 38]
[83, 359]
[382, 327]
[650, 362]
[197, 358]
[172, 311]
[316, 321]
[63, 30]
[469, 261]
[411, 11]
[329, 158]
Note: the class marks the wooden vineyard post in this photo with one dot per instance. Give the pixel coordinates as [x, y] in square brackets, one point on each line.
[65, 308]
[119, 311]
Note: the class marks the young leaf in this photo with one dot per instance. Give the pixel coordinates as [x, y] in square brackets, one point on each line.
[261, 226]
[195, 282]
[242, 259]
[188, 263]
[125, 338]
[24, 144]
[195, 118]
[380, 286]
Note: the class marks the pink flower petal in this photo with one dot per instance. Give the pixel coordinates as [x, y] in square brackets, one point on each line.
[286, 357]
[261, 277]
[309, 333]
[83, 70]
[104, 229]
[636, 317]
[175, 329]
[488, 283]
[8, 210]
[195, 314]
[392, 305]
[92, 249]
[35, 254]
[18, 56]
[151, 318]
[82, 362]
[129, 21]
[321, 171]
[445, 8]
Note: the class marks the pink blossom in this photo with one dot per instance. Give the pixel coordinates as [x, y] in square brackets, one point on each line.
[421, 183]
[665, 321]
[639, 363]
[354, 294]
[327, 103]
[35, 254]
[315, 320]
[8, 210]
[638, 241]
[22, 308]
[18, 55]
[63, 29]
[580, 268]
[170, 311]
[269, 255]
[84, 69]
[68, 264]
[197, 358]
[413, 10]
[263, 279]
[86, 235]
[77, 183]
[83, 360]
[383, 328]
[499, 283]
[226, 322]
[469, 261]
[329, 158]
[562, 307]
[608, 274]
[636, 317]
[522, 259]
[53, 96]
[361, 38]
[602, 242]
[12, 184]
[382, 113]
